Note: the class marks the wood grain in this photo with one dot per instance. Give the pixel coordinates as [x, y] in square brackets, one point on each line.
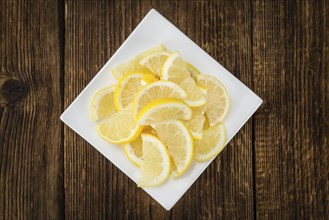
[290, 47]
[31, 156]
[276, 167]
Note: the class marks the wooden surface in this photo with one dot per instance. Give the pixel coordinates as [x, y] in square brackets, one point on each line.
[276, 167]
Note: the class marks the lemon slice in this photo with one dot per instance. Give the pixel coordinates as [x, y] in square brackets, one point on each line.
[175, 70]
[194, 72]
[134, 149]
[218, 102]
[133, 64]
[147, 79]
[195, 124]
[126, 90]
[176, 136]
[156, 90]
[155, 167]
[120, 128]
[212, 143]
[102, 104]
[162, 110]
[155, 61]
[195, 96]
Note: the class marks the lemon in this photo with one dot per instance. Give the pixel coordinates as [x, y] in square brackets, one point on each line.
[147, 79]
[126, 89]
[195, 124]
[155, 166]
[176, 136]
[134, 149]
[203, 90]
[175, 70]
[194, 72]
[195, 95]
[133, 64]
[218, 102]
[102, 104]
[156, 90]
[162, 110]
[120, 128]
[155, 61]
[212, 143]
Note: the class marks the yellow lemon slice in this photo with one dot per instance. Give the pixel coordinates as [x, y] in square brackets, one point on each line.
[218, 103]
[211, 144]
[194, 72]
[155, 61]
[155, 167]
[176, 136]
[195, 124]
[127, 89]
[134, 149]
[120, 128]
[162, 110]
[102, 104]
[175, 70]
[157, 90]
[133, 64]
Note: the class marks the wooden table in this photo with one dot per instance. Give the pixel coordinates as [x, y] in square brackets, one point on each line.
[276, 167]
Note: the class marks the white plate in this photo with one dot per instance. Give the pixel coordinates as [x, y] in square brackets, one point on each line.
[154, 29]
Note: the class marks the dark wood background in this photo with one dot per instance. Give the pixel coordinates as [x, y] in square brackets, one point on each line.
[276, 167]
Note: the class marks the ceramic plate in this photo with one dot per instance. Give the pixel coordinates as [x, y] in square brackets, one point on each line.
[154, 29]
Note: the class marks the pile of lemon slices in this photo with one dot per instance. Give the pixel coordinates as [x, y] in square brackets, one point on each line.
[163, 112]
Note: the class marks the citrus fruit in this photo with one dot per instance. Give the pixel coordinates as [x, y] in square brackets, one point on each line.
[156, 90]
[147, 79]
[134, 149]
[163, 112]
[195, 96]
[120, 128]
[126, 89]
[211, 144]
[155, 61]
[218, 102]
[102, 104]
[176, 136]
[194, 72]
[175, 70]
[195, 124]
[155, 166]
[163, 109]
[133, 64]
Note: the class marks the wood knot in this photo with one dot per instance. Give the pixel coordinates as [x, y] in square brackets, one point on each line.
[12, 90]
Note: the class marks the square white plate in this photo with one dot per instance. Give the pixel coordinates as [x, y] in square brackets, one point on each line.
[154, 29]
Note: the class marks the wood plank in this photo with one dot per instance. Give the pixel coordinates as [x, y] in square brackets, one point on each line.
[94, 188]
[31, 156]
[290, 47]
